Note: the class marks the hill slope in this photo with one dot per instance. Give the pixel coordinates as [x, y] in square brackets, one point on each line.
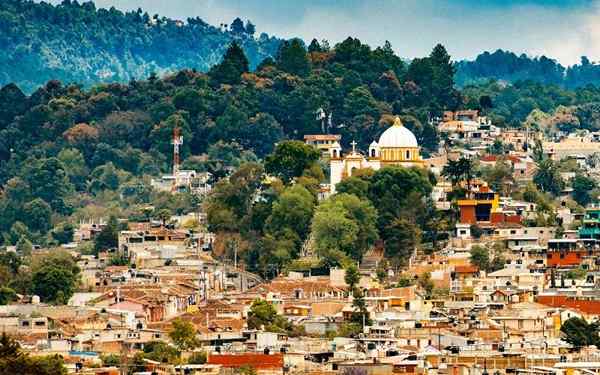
[509, 67]
[76, 42]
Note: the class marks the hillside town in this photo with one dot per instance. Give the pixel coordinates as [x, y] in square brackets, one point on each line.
[508, 286]
[181, 198]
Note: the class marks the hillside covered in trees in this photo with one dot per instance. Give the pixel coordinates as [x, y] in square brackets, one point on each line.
[69, 153]
[508, 67]
[75, 42]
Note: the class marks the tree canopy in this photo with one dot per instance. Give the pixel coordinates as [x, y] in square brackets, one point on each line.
[91, 45]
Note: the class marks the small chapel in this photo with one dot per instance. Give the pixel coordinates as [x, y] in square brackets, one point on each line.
[397, 146]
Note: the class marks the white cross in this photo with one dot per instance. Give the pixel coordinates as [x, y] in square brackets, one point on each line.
[353, 143]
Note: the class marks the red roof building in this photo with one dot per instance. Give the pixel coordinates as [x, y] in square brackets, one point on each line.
[587, 306]
[258, 361]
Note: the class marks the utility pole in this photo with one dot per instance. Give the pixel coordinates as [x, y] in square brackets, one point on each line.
[235, 250]
[527, 136]
[177, 141]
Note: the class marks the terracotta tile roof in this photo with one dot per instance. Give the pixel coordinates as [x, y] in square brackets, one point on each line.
[492, 158]
[206, 318]
[258, 361]
[287, 287]
[466, 269]
[488, 158]
[407, 292]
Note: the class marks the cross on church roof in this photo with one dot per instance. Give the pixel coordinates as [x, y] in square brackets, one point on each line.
[353, 143]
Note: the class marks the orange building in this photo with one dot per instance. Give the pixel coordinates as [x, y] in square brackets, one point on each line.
[262, 363]
[564, 253]
[479, 207]
[483, 206]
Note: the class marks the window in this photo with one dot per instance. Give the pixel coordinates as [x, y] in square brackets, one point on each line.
[408, 155]
[373, 153]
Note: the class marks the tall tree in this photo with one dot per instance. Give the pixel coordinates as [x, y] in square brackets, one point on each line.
[580, 333]
[292, 58]
[314, 46]
[344, 223]
[547, 177]
[290, 159]
[183, 335]
[55, 277]
[237, 26]
[401, 238]
[13, 360]
[229, 70]
[293, 210]
[108, 237]
[352, 277]
[582, 187]
[48, 181]
[480, 257]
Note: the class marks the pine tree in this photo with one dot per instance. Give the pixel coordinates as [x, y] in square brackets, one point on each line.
[234, 64]
[443, 77]
[24, 247]
[237, 26]
[292, 58]
[108, 236]
[314, 46]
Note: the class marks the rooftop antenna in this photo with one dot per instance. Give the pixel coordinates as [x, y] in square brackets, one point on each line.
[177, 141]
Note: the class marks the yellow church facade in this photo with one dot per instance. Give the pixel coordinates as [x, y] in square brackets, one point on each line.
[396, 146]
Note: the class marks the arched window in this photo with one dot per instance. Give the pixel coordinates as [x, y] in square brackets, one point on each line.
[335, 153]
[407, 155]
[372, 152]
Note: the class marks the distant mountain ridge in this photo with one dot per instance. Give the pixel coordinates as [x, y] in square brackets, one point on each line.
[79, 43]
[510, 67]
[75, 42]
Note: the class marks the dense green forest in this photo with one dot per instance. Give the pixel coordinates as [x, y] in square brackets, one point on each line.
[545, 106]
[68, 152]
[508, 67]
[75, 42]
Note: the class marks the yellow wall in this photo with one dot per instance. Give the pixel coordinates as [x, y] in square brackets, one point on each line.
[398, 154]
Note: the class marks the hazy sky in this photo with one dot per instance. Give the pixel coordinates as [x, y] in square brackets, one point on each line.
[564, 29]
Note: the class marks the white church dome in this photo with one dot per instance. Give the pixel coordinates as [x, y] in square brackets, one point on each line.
[397, 136]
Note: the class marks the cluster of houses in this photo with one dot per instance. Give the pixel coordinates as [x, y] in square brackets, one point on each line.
[443, 313]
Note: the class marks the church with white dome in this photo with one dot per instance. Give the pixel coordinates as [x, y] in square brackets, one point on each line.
[397, 146]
